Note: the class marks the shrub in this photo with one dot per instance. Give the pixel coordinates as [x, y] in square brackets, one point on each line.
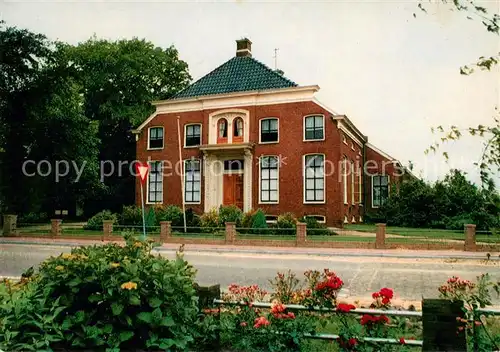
[210, 221]
[33, 218]
[150, 218]
[286, 224]
[247, 219]
[131, 215]
[230, 213]
[316, 228]
[192, 219]
[170, 213]
[259, 222]
[105, 297]
[96, 222]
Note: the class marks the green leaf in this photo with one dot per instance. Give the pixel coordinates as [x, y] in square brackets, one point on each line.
[167, 321]
[117, 308]
[145, 317]
[155, 302]
[107, 328]
[157, 314]
[134, 300]
[126, 335]
[94, 298]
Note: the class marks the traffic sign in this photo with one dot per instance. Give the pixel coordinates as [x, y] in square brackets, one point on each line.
[142, 170]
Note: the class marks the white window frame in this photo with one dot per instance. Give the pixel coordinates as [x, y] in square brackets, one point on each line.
[344, 180]
[163, 139]
[260, 181]
[388, 188]
[272, 221]
[322, 221]
[260, 130]
[184, 180]
[304, 174]
[147, 182]
[353, 175]
[304, 128]
[185, 135]
[360, 185]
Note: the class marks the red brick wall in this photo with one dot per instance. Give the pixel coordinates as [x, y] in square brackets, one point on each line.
[291, 147]
[377, 163]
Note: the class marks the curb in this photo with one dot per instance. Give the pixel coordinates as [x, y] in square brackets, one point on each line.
[421, 255]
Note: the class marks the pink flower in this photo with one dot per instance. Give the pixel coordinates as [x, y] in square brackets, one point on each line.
[261, 321]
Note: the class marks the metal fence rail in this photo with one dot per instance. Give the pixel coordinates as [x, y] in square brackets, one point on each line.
[333, 337]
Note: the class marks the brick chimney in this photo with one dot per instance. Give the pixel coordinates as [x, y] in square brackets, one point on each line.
[244, 47]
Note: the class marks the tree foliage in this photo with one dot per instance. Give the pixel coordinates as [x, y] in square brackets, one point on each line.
[450, 203]
[489, 161]
[78, 104]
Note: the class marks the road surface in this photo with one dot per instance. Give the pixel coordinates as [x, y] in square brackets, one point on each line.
[410, 278]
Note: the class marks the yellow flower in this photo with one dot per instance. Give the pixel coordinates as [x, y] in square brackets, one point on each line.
[129, 286]
[83, 256]
[59, 267]
[115, 265]
[67, 256]
[138, 244]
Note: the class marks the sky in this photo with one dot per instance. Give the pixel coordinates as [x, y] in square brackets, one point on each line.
[393, 75]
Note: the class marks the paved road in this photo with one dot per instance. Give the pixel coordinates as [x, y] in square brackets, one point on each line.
[410, 278]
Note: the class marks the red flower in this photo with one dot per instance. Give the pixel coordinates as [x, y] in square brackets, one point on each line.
[402, 340]
[243, 323]
[366, 318]
[291, 315]
[352, 341]
[387, 292]
[261, 321]
[370, 319]
[345, 308]
[383, 319]
[375, 295]
[386, 300]
[278, 308]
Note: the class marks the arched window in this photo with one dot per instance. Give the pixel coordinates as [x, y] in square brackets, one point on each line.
[222, 131]
[238, 130]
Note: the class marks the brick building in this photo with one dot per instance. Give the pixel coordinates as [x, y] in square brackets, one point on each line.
[248, 136]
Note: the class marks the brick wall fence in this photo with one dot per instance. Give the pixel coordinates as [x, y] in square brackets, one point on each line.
[231, 237]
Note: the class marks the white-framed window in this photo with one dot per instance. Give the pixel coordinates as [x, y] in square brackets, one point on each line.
[353, 180]
[155, 138]
[344, 179]
[271, 219]
[319, 218]
[360, 185]
[192, 135]
[269, 130]
[380, 190]
[155, 183]
[269, 179]
[314, 128]
[192, 181]
[314, 178]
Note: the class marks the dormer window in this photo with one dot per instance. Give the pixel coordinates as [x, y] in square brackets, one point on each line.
[238, 130]
[155, 138]
[222, 131]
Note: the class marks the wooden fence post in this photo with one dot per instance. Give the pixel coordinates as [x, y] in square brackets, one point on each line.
[107, 226]
[440, 322]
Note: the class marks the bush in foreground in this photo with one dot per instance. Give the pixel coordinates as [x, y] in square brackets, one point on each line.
[102, 297]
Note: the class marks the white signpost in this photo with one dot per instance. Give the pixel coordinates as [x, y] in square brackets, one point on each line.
[142, 170]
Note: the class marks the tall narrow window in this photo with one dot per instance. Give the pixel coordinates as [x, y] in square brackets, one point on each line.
[155, 138]
[269, 179]
[344, 179]
[380, 190]
[238, 130]
[155, 182]
[314, 178]
[353, 180]
[360, 185]
[193, 135]
[314, 128]
[268, 130]
[222, 131]
[192, 181]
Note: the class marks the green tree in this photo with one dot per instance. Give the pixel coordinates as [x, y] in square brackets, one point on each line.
[489, 162]
[119, 79]
[42, 118]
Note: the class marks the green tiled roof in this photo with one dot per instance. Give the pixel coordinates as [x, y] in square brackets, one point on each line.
[239, 74]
